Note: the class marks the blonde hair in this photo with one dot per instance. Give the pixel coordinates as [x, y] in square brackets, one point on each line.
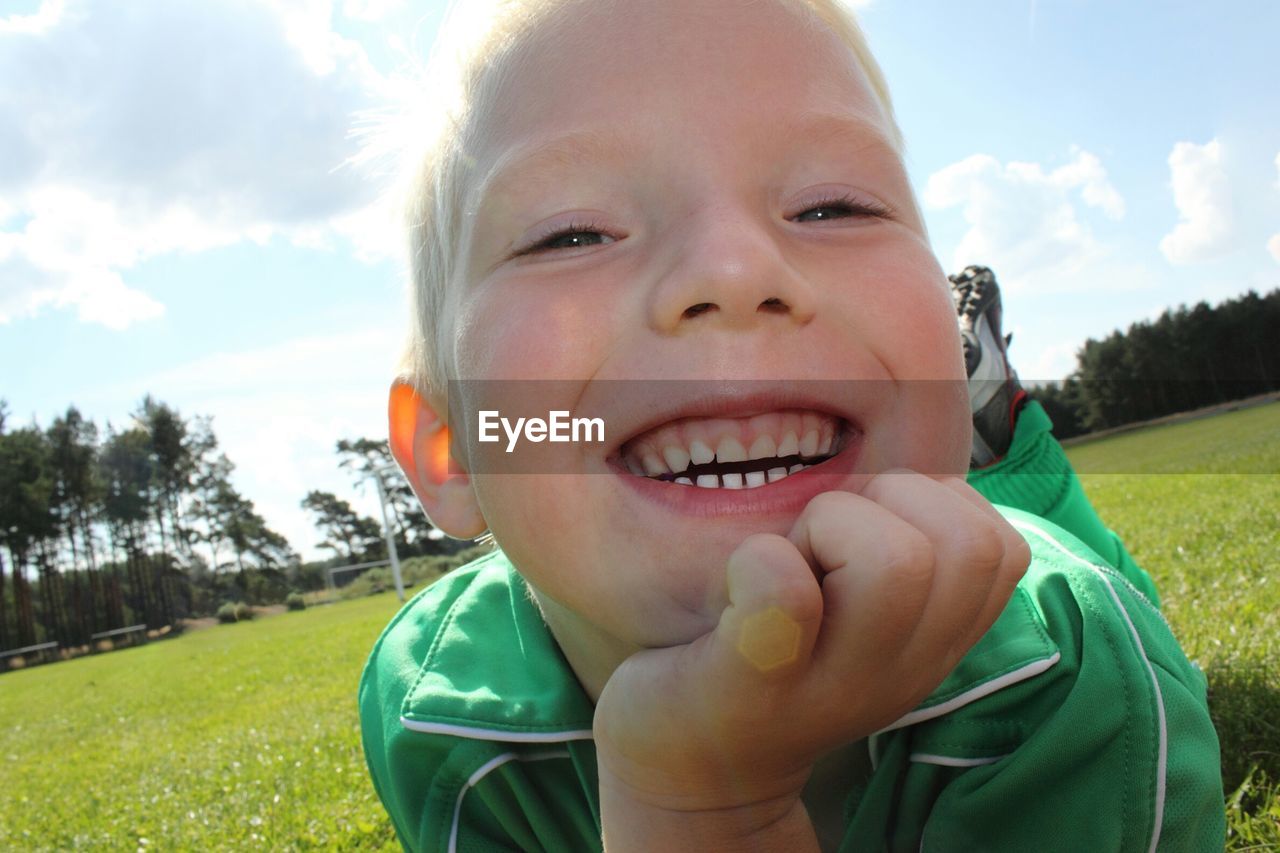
[469, 65]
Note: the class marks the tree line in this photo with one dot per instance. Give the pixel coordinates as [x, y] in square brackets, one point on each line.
[110, 528]
[105, 529]
[1186, 359]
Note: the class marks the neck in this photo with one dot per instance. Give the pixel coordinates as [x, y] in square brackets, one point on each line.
[592, 653]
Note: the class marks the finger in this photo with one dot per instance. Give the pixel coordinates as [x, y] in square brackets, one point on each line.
[969, 550]
[1017, 553]
[775, 610]
[877, 572]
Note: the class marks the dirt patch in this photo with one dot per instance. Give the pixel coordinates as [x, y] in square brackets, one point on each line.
[203, 622]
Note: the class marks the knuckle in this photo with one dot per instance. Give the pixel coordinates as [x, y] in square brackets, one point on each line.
[914, 548]
[1017, 558]
[982, 548]
[827, 515]
[913, 558]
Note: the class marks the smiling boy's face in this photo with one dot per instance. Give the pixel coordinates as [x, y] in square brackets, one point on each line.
[735, 211]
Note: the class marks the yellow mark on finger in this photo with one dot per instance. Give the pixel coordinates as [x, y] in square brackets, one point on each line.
[769, 639]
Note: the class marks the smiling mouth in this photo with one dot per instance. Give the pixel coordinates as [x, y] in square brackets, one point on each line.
[736, 453]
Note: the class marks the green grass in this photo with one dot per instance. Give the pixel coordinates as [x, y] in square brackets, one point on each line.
[239, 736]
[1211, 541]
[246, 735]
[1239, 442]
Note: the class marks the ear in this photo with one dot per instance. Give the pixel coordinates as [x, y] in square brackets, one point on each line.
[420, 444]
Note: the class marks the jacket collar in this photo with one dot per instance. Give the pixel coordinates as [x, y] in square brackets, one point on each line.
[493, 671]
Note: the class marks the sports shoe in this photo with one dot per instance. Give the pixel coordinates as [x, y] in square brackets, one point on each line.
[995, 395]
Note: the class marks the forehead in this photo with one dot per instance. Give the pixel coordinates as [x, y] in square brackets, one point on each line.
[601, 77]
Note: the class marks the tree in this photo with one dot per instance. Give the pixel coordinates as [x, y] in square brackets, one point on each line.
[370, 458]
[4, 625]
[126, 471]
[344, 529]
[1185, 359]
[26, 484]
[213, 499]
[172, 464]
[73, 448]
[249, 535]
[1102, 370]
[152, 492]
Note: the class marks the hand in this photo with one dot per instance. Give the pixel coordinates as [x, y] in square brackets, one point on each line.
[831, 634]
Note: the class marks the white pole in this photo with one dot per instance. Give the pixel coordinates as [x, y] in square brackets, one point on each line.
[390, 537]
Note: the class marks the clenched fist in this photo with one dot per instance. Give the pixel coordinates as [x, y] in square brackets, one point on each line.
[831, 634]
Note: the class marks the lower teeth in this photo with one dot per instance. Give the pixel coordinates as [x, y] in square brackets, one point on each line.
[750, 480]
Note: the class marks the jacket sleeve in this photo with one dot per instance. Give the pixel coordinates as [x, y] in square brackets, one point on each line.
[447, 793]
[1037, 477]
[1112, 748]
[403, 768]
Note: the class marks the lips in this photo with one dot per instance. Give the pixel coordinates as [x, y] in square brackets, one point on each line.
[735, 452]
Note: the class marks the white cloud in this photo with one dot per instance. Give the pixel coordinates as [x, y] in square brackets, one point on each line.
[1273, 245]
[1050, 361]
[1027, 221]
[47, 15]
[1202, 194]
[102, 297]
[129, 131]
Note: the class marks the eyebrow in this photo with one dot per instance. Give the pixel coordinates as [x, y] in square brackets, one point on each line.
[529, 163]
[827, 127]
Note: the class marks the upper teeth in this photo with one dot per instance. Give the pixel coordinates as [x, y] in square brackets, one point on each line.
[677, 457]
[674, 448]
[698, 452]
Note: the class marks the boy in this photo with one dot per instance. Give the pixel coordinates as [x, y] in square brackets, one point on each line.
[758, 616]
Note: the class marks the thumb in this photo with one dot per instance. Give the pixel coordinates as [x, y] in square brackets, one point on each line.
[774, 613]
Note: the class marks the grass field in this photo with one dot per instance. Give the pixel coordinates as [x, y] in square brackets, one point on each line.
[245, 735]
[1212, 543]
[240, 736]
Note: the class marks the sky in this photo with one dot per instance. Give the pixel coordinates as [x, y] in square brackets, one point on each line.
[178, 215]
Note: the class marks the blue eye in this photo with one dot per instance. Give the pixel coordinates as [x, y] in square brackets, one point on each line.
[572, 236]
[843, 207]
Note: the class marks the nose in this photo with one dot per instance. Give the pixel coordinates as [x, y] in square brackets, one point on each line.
[728, 270]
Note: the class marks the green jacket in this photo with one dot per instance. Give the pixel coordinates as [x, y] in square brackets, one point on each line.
[1076, 723]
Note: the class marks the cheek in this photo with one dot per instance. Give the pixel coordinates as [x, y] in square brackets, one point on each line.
[934, 431]
[581, 544]
[935, 392]
[538, 521]
[538, 331]
[915, 323]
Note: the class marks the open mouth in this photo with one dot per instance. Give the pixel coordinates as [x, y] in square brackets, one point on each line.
[736, 453]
